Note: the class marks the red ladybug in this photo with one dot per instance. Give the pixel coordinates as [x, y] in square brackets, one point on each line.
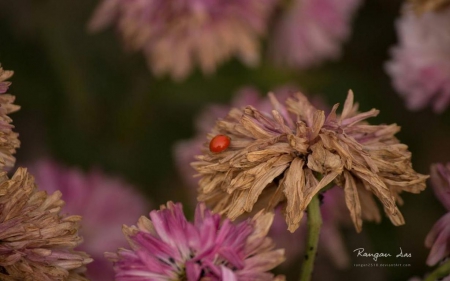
[219, 143]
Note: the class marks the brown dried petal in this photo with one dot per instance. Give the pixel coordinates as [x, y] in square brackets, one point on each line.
[352, 200]
[293, 184]
[348, 106]
[300, 106]
[370, 210]
[265, 172]
[323, 161]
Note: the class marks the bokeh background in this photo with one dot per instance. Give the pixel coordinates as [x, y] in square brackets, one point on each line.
[87, 102]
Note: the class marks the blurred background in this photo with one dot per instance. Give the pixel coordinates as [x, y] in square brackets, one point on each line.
[88, 102]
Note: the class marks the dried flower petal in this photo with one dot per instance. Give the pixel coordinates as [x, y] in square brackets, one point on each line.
[168, 247]
[36, 242]
[342, 149]
[8, 139]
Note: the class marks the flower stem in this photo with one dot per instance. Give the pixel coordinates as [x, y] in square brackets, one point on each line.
[314, 224]
[441, 271]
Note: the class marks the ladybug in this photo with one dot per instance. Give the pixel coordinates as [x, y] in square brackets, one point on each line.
[219, 143]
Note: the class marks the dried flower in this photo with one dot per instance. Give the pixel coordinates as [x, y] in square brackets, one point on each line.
[311, 31]
[177, 35]
[168, 247]
[439, 237]
[8, 139]
[185, 151]
[290, 155]
[423, 6]
[420, 65]
[105, 203]
[36, 242]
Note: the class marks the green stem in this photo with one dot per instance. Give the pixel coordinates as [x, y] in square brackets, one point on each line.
[314, 224]
[441, 271]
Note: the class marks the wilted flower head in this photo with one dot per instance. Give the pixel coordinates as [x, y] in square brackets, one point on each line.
[185, 151]
[177, 35]
[105, 203]
[422, 6]
[439, 237]
[289, 155]
[36, 242]
[311, 31]
[8, 139]
[420, 65]
[168, 247]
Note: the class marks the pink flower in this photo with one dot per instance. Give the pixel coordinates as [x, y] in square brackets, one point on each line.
[104, 203]
[420, 65]
[177, 35]
[168, 247]
[438, 239]
[311, 31]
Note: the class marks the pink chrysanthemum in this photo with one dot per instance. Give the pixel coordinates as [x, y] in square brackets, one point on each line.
[105, 204]
[311, 31]
[177, 35]
[8, 139]
[439, 237]
[420, 65]
[168, 247]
